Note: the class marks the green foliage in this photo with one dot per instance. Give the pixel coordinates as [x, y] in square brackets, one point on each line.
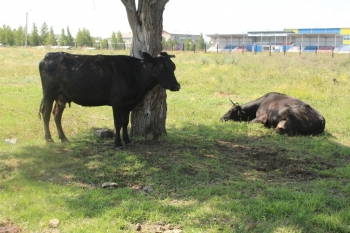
[189, 44]
[83, 38]
[7, 36]
[63, 39]
[69, 38]
[34, 38]
[208, 176]
[50, 39]
[20, 36]
[119, 37]
[44, 32]
[169, 44]
[200, 42]
[104, 44]
[114, 38]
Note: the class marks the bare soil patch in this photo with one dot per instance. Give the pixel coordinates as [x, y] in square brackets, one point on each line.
[9, 227]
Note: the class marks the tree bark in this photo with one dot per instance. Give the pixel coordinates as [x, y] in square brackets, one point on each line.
[146, 22]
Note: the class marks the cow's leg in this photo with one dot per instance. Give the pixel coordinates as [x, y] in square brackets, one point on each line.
[57, 112]
[45, 109]
[126, 138]
[118, 122]
[281, 127]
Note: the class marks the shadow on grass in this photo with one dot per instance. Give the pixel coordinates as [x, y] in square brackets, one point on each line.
[204, 177]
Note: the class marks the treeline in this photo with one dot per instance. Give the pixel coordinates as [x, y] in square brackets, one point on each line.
[188, 45]
[46, 36]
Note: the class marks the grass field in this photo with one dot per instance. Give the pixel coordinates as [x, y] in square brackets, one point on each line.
[208, 176]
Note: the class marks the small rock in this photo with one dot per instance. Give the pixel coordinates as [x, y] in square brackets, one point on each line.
[148, 189]
[138, 227]
[104, 133]
[54, 223]
[173, 231]
[11, 141]
[109, 185]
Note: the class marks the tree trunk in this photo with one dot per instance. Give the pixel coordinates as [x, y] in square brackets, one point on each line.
[148, 118]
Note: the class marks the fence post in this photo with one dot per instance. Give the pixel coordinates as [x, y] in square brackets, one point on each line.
[205, 48]
[217, 48]
[256, 48]
[270, 49]
[299, 49]
[333, 52]
[316, 50]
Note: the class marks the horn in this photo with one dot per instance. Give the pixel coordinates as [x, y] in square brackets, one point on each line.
[234, 103]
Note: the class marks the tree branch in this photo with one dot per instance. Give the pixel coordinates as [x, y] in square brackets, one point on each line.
[131, 12]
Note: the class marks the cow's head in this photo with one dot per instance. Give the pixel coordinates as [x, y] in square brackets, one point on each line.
[236, 113]
[163, 70]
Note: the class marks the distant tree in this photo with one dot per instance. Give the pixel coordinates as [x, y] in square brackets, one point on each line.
[83, 38]
[113, 40]
[119, 37]
[164, 43]
[34, 38]
[43, 33]
[167, 44]
[200, 43]
[69, 38]
[63, 38]
[50, 39]
[7, 35]
[188, 44]
[20, 36]
[104, 44]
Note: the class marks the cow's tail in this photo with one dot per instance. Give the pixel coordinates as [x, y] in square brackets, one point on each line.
[41, 108]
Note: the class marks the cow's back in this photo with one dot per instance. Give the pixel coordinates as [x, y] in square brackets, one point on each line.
[297, 116]
[88, 80]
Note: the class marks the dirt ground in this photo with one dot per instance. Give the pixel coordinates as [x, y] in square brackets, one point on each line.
[9, 227]
[273, 164]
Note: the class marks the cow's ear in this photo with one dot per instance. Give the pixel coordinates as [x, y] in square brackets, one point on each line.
[165, 54]
[147, 57]
[238, 107]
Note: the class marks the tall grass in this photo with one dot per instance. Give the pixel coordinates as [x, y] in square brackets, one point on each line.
[208, 176]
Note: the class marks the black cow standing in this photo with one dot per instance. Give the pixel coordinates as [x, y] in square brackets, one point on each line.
[284, 113]
[118, 81]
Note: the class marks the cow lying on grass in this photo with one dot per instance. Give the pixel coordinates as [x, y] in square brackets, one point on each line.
[284, 113]
[118, 81]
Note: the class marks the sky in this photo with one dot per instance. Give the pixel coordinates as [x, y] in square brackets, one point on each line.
[102, 17]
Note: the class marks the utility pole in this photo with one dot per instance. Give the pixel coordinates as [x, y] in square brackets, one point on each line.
[26, 42]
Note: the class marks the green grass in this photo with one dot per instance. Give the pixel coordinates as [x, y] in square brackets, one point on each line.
[208, 176]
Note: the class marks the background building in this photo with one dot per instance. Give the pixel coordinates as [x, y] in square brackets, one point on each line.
[288, 40]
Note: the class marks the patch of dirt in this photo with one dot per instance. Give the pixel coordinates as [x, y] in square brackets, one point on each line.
[270, 163]
[9, 227]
